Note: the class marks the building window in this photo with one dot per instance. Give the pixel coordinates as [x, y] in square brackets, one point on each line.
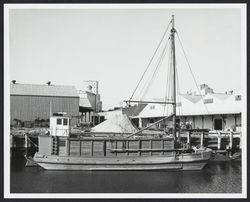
[237, 97]
[65, 122]
[152, 107]
[207, 101]
[59, 122]
[217, 124]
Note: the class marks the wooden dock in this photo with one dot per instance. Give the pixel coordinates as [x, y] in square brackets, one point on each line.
[222, 142]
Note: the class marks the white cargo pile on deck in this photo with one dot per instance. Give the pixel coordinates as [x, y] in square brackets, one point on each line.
[119, 123]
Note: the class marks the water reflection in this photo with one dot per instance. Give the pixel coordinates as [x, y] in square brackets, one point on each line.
[217, 177]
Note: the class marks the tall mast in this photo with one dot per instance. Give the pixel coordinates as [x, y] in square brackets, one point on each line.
[174, 76]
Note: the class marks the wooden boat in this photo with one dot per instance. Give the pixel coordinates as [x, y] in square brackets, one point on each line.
[136, 151]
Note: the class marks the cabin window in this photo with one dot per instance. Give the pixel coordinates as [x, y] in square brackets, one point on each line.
[62, 143]
[59, 122]
[217, 124]
[65, 122]
[237, 97]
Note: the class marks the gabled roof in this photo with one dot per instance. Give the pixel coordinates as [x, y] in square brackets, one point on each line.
[223, 104]
[43, 90]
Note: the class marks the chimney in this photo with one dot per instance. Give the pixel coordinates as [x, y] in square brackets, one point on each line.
[13, 81]
[48, 83]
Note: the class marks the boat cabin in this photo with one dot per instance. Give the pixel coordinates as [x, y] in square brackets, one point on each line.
[59, 125]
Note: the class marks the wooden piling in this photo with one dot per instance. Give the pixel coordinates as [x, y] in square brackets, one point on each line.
[162, 146]
[92, 147]
[128, 147]
[139, 142]
[80, 147]
[25, 141]
[202, 138]
[150, 146]
[219, 141]
[104, 148]
[231, 141]
[188, 137]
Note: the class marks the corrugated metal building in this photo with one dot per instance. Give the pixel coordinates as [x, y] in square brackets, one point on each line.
[29, 102]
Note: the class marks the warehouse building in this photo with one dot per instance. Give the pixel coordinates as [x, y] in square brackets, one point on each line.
[29, 102]
[213, 111]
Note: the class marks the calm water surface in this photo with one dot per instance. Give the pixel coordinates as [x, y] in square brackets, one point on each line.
[217, 177]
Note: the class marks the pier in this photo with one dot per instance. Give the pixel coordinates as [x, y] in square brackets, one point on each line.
[223, 143]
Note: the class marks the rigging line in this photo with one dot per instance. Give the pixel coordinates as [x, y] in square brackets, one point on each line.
[141, 93]
[149, 80]
[191, 71]
[157, 68]
[151, 59]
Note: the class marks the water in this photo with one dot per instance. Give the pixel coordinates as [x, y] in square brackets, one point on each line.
[216, 177]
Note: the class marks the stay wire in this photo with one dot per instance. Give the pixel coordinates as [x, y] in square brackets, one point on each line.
[151, 60]
[191, 70]
[156, 69]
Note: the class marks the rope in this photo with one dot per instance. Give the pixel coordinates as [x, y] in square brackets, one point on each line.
[151, 60]
[156, 69]
[191, 70]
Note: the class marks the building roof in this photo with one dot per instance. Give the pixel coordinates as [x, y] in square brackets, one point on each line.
[84, 102]
[223, 104]
[43, 90]
[192, 98]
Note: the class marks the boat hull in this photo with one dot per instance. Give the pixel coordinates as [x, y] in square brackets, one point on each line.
[195, 161]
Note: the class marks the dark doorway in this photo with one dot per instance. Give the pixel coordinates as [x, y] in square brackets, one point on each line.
[217, 124]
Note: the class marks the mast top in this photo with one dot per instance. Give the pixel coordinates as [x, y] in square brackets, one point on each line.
[172, 21]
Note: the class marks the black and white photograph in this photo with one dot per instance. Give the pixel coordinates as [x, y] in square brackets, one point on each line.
[125, 101]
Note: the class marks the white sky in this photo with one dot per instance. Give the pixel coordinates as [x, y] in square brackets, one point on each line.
[68, 46]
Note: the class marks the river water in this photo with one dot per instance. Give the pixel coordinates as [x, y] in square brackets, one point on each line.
[216, 177]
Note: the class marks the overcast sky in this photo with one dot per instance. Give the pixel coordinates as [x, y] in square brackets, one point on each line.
[68, 46]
